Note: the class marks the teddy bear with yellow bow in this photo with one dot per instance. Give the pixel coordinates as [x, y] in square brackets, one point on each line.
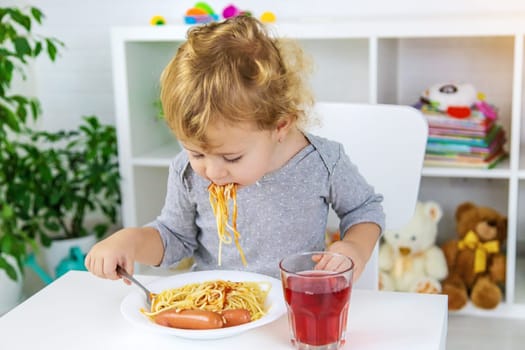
[476, 261]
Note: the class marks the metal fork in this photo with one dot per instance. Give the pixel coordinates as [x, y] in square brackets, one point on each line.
[149, 294]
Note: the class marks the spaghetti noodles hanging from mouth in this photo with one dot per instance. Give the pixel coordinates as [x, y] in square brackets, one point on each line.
[220, 195]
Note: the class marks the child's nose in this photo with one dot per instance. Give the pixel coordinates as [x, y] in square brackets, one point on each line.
[215, 171]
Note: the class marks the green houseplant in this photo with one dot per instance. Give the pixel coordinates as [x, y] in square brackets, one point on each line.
[75, 186]
[61, 185]
[19, 45]
[53, 185]
[75, 174]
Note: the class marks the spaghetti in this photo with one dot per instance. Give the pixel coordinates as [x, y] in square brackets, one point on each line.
[220, 195]
[217, 296]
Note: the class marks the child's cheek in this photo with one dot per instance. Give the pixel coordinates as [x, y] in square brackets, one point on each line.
[198, 168]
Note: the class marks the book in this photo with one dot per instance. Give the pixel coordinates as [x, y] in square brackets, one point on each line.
[464, 155]
[460, 139]
[451, 131]
[474, 155]
[462, 162]
[451, 147]
[475, 122]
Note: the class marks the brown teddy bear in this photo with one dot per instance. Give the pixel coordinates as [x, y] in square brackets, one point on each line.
[475, 261]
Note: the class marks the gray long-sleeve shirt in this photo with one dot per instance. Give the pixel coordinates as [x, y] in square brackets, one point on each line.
[283, 213]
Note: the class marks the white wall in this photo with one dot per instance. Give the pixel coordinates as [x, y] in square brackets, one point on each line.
[80, 82]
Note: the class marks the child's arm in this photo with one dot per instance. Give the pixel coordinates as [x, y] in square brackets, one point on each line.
[124, 248]
[358, 243]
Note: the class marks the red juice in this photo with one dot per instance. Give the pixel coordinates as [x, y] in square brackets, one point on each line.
[318, 307]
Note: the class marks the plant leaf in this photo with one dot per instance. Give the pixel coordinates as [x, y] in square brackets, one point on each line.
[22, 47]
[9, 269]
[20, 18]
[9, 118]
[51, 49]
[37, 14]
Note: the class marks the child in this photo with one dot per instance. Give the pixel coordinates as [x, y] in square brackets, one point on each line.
[236, 100]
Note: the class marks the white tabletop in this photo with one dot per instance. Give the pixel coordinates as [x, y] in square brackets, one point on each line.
[80, 311]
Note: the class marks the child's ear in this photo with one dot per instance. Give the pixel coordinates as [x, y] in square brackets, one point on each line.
[283, 127]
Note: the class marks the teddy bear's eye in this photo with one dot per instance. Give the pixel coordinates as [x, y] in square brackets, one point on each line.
[492, 223]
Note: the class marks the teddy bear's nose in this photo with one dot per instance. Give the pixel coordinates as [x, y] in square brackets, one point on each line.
[404, 251]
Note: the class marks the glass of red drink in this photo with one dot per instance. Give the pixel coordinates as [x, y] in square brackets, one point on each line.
[317, 299]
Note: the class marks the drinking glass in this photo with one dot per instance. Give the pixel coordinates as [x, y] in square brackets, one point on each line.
[317, 299]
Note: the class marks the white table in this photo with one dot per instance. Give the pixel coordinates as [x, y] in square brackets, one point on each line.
[80, 311]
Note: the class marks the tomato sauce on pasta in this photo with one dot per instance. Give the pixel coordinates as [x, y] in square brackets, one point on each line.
[216, 295]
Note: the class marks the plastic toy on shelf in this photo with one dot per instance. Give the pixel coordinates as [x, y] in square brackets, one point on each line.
[157, 20]
[232, 11]
[268, 17]
[201, 12]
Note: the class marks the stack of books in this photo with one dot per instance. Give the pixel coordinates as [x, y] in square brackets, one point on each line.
[476, 141]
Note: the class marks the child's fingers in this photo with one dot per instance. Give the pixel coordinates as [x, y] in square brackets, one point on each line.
[337, 264]
[322, 261]
[87, 262]
[332, 263]
[316, 258]
[126, 266]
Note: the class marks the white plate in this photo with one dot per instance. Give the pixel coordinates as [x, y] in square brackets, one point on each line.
[133, 302]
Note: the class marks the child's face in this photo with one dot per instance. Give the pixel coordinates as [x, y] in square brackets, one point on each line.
[240, 154]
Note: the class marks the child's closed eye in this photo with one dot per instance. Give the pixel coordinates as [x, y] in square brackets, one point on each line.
[233, 160]
[197, 155]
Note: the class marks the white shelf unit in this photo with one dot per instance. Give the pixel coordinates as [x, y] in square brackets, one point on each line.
[362, 60]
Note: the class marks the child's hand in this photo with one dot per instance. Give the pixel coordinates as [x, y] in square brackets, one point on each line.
[358, 244]
[348, 249]
[327, 262]
[103, 258]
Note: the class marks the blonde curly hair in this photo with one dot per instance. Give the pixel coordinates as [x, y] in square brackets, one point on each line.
[236, 72]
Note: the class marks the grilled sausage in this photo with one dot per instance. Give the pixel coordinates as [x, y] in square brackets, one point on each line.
[189, 319]
[236, 317]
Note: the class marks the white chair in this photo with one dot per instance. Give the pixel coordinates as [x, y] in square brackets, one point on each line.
[387, 143]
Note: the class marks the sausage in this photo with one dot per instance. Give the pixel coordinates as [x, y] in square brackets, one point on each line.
[235, 317]
[189, 319]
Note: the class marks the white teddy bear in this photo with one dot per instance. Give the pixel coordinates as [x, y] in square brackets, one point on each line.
[409, 259]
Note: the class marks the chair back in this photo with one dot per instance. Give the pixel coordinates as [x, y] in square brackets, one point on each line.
[387, 143]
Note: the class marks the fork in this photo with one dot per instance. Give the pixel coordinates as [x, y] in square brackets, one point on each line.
[149, 294]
